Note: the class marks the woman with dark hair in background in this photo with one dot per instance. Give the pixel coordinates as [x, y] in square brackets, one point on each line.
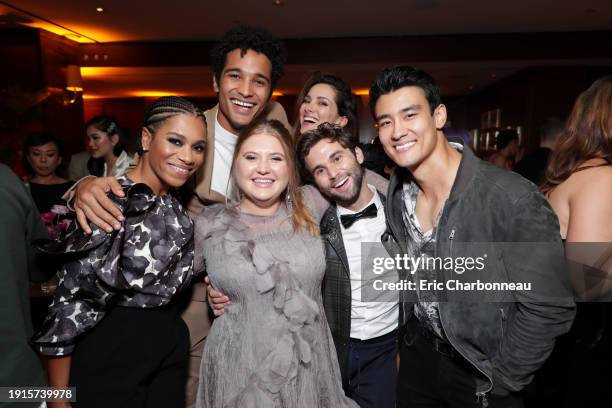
[43, 154]
[326, 98]
[107, 146]
[579, 188]
[113, 330]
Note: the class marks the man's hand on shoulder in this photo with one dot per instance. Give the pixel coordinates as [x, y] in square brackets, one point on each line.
[93, 205]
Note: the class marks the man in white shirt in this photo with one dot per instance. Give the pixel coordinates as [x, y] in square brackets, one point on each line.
[247, 63]
[364, 332]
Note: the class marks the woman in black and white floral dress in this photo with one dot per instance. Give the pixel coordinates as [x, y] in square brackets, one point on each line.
[113, 329]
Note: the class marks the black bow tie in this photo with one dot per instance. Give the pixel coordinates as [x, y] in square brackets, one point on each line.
[348, 219]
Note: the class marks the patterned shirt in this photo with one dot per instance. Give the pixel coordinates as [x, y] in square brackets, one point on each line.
[142, 265]
[426, 310]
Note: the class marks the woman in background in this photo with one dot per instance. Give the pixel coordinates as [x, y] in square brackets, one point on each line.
[325, 98]
[43, 155]
[107, 147]
[579, 188]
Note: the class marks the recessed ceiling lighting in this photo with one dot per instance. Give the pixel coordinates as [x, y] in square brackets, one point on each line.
[278, 2]
[99, 9]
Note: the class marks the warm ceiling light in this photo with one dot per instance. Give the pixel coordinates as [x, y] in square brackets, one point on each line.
[279, 2]
[277, 93]
[99, 9]
[361, 92]
[153, 94]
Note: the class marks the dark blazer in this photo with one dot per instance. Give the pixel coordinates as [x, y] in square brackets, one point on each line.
[20, 225]
[337, 283]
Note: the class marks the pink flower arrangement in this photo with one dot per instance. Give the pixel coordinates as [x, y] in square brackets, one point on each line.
[54, 221]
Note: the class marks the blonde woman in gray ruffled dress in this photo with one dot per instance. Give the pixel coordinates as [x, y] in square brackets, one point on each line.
[272, 347]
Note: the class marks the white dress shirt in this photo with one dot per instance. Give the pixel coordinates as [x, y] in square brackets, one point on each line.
[225, 143]
[368, 319]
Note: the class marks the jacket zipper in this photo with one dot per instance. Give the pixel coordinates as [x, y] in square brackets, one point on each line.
[481, 396]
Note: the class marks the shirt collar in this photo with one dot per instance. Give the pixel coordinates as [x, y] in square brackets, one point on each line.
[375, 200]
[221, 132]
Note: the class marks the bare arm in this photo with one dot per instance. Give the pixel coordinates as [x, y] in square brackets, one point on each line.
[589, 234]
[59, 375]
[93, 205]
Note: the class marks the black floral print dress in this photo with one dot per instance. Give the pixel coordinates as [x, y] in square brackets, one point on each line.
[143, 265]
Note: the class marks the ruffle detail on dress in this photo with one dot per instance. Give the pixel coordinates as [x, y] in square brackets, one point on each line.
[294, 346]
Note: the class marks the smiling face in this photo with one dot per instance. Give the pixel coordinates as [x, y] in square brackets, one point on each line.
[337, 172]
[319, 106]
[261, 173]
[173, 152]
[407, 130]
[44, 159]
[99, 143]
[244, 88]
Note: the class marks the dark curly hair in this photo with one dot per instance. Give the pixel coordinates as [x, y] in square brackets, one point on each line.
[250, 38]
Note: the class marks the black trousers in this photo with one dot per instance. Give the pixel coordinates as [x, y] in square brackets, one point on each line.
[372, 371]
[428, 378]
[133, 358]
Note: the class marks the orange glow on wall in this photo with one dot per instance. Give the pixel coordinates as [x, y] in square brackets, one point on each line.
[359, 91]
[92, 72]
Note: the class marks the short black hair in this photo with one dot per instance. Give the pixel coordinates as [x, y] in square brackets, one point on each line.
[392, 79]
[551, 128]
[250, 38]
[325, 131]
[504, 137]
[38, 139]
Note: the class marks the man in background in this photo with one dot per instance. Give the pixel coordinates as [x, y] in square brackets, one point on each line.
[20, 225]
[533, 166]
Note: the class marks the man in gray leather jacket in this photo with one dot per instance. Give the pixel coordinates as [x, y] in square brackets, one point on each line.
[460, 349]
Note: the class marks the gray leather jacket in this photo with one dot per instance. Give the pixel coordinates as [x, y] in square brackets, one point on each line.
[506, 340]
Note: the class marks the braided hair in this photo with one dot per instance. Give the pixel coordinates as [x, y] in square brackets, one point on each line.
[166, 107]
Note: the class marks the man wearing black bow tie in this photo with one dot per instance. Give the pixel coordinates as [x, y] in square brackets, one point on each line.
[365, 333]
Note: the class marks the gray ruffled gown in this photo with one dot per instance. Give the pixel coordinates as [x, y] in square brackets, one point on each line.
[272, 347]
